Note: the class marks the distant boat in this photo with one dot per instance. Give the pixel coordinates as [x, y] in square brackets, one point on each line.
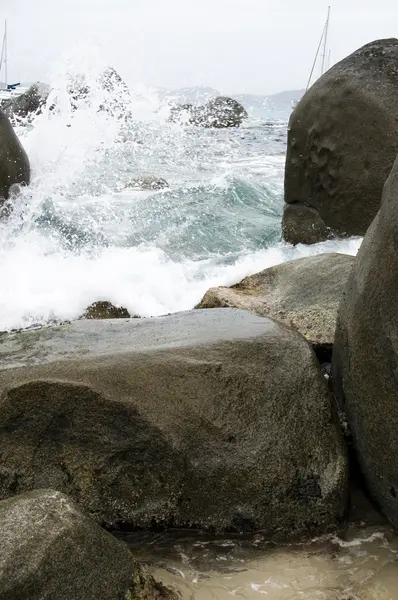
[7, 90]
[325, 61]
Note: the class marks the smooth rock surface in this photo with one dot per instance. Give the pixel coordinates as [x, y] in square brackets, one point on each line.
[342, 142]
[217, 418]
[50, 550]
[365, 354]
[14, 162]
[303, 294]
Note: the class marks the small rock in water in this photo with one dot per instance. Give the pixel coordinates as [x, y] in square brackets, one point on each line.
[219, 113]
[148, 182]
[105, 310]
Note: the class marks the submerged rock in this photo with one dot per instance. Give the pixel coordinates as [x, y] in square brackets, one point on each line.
[342, 142]
[49, 549]
[365, 353]
[31, 102]
[105, 310]
[215, 418]
[303, 294]
[14, 162]
[220, 112]
[148, 182]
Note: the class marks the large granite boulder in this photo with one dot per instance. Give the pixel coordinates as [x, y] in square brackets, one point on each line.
[220, 112]
[342, 142]
[29, 103]
[214, 418]
[49, 549]
[366, 350]
[14, 162]
[303, 294]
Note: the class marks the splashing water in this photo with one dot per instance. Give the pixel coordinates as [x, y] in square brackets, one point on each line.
[80, 233]
[359, 565]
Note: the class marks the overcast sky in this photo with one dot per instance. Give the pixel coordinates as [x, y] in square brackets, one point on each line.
[254, 46]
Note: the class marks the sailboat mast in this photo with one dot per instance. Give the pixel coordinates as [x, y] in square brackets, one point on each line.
[5, 53]
[325, 41]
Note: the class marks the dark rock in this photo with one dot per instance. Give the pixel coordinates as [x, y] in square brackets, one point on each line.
[303, 294]
[365, 353]
[49, 549]
[29, 103]
[14, 162]
[342, 142]
[220, 112]
[302, 225]
[105, 310]
[214, 418]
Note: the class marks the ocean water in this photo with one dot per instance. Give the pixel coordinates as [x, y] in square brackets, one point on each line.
[79, 233]
[357, 563]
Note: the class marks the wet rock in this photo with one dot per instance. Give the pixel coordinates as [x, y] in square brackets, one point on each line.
[105, 310]
[342, 142]
[302, 225]
[303, 294]
[365, 353]
[29, 103]
[49, 549]
[148, 182]
[14, 162]
[191, 419]
[220, 112]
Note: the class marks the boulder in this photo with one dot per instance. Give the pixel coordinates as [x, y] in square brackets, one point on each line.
[105, 310]
[49, 549]
[303, 225]
[14, 162]
[303, 294]
[220, 112]
[215, 418]
[29, 103]
[365, 353]
[342, 142]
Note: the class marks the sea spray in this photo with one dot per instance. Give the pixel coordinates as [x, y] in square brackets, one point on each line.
[79, 233]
